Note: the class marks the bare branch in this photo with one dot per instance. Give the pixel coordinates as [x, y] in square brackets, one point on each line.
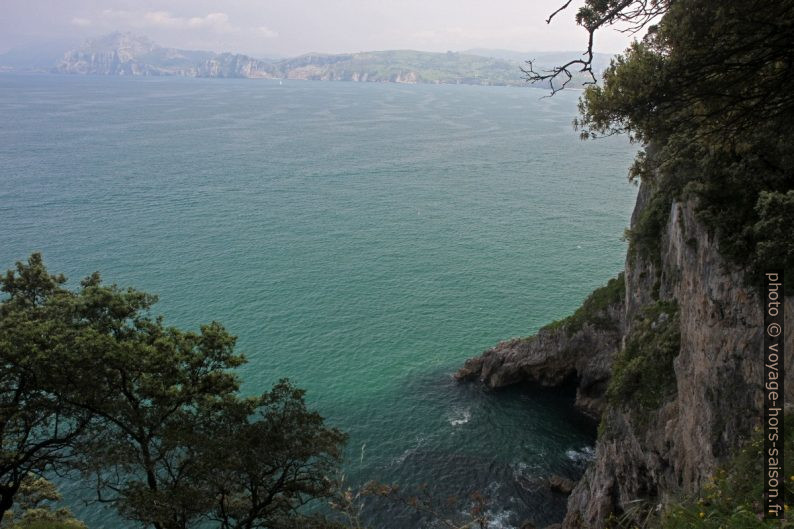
[639, 13]
[559, 9]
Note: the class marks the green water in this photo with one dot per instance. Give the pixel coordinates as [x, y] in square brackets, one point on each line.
[360, 239]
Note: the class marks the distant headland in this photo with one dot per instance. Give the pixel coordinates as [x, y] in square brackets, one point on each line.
[126, 54]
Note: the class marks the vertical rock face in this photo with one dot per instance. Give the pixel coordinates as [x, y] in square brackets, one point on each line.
[718, 378]
[715, 395]
[115, 54]
[127, 54]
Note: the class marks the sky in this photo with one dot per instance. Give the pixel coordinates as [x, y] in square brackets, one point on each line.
[280, 28]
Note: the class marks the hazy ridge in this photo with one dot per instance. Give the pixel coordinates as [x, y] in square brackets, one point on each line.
[125, 54]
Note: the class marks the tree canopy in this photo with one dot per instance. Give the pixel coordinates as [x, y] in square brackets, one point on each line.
[707, 91]
[93, 383]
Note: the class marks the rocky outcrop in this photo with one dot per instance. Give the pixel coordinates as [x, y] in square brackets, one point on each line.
[653, 447]
[561, 484]
[230, 65]
[580, 347]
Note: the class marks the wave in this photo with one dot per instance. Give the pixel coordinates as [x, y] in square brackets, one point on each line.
[583, 455]
[399, 460]
[459, 417]
[500, 520]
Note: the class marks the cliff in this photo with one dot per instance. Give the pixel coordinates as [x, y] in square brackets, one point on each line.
[130, 55]
[127, 54]
[404, 66]
[673, 368]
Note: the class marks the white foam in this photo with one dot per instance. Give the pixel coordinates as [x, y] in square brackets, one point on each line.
[496, 519]
[582, 455]
[525, 476]
[499, 520]
[459, 417]
[402, 457]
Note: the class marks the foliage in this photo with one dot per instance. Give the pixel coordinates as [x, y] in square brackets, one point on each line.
[708, 92]
[93, 382]
[263, 488]
[592, 310]
[642, 373]
[592, 16]
[772, 231]
[733, 498]
[35, 512]
[241, 463]
[645, 237]
[43, 330]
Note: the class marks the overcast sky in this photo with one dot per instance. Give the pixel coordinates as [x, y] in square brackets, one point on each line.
[291, 27]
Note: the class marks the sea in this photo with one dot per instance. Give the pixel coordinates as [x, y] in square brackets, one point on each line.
[361, 239]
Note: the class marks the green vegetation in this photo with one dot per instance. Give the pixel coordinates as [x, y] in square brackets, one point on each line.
[645, 237]
[34, 510]
[92, 384]
[426, 67]
[96, 388]
[732, 499]
[642, 373]
[708, 92]
[409, 65]
[592, 310]
[141, 56]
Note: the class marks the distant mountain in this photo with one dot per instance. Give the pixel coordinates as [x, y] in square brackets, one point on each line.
[127, 54]
[403, 66]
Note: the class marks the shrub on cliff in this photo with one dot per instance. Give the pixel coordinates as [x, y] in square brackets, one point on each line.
[642, 373]
[593, 310]
[732, 499]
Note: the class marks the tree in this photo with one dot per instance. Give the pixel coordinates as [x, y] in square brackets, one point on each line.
[34, 509]
[707, 91]
[593, 16]
[256, 488]
[150, 413]
[241, 464]
[40, 330]
[161, 376]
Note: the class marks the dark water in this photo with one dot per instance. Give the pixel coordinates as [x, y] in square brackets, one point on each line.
[361, 239]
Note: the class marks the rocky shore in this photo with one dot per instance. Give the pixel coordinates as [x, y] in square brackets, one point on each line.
[671, 365]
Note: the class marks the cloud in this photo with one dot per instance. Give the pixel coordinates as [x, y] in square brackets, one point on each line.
[473, 35]
[213, 29]
[217, 22]
[266, 32]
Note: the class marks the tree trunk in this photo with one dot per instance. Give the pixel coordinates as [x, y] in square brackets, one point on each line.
[6, 501]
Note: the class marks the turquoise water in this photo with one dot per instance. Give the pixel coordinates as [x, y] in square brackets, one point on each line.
[360, 239]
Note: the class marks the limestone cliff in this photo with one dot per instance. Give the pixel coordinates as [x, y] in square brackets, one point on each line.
[678, 374]
[126, 54]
